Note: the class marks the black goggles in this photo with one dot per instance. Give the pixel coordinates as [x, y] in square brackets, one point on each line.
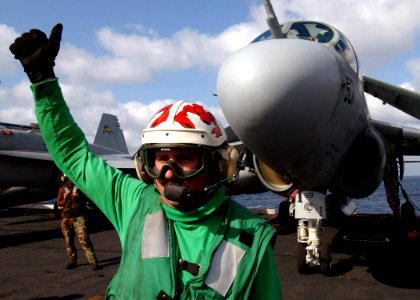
[179, 172]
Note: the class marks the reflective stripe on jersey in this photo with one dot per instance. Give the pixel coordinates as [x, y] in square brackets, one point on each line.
[155, 242]
[224, 266]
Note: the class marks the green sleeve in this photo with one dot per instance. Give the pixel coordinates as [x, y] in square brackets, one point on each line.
[113, 192]
[267, 282]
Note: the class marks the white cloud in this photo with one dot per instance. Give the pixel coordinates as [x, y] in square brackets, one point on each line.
[7, 36]
[388, 113]
[81, 67]
[138, 54]
[137, 58]
[16, 104]
[379, 30]
[87, 106]
[413, 67]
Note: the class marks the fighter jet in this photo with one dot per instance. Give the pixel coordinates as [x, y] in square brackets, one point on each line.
[27, 172]
[295, 102]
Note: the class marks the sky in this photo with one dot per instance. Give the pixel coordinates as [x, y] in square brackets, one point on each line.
[130, 58]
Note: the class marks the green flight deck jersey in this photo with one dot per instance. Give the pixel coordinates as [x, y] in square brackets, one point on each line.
[219, 251]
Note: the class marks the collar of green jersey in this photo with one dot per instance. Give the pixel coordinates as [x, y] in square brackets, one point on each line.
[207, 209]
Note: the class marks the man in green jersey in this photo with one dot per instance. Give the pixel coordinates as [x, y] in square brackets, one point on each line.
[181, 237]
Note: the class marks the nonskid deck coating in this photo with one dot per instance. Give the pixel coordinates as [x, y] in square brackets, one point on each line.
[32, 260]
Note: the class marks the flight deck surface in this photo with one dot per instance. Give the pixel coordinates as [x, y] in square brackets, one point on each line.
[32, 261]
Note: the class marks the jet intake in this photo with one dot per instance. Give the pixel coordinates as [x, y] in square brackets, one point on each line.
[363, 166]
[271, 179]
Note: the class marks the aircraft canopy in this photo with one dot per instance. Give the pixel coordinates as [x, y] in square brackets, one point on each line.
[317, 32]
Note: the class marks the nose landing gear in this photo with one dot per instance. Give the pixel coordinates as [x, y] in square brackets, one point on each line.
[310, 209]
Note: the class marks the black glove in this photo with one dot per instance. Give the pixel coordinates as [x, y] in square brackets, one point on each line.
[37, 53]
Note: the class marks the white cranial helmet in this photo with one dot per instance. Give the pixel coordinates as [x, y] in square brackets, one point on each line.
[187, 125]
[184, 123]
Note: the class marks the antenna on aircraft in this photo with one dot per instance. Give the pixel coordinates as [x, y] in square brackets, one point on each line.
[272, 21]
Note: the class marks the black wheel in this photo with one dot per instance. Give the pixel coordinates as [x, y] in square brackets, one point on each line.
[302, 266]
[325, 259]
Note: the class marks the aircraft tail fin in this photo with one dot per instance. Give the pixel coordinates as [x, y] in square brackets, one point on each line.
[110, 136]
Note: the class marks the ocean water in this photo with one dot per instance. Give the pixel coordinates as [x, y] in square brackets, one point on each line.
[374, 204]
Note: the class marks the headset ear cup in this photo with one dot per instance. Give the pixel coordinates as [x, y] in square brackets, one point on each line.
[141, 173]
[229, 163]
[233, 165]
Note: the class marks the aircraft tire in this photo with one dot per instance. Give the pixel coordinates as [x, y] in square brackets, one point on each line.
[302, 266]
[325, 259]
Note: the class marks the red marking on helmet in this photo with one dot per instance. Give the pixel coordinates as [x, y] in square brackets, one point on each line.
[182, 117]
[205, 116]
[217, 132]
[163, 117]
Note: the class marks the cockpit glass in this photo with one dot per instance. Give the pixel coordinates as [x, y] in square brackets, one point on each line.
[345, 49]
[317, 32]
[310, 31]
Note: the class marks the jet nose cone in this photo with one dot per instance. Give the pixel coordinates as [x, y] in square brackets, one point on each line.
[279, 91]
[285, 77]
[278, 96]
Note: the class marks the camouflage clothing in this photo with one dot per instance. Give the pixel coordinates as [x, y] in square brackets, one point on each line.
[392, 184]
[74, 221]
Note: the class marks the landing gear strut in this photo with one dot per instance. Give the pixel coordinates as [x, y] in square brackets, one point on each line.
[310, 209]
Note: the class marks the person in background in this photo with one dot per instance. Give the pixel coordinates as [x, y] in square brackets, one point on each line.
[74, 221]
[181, 237]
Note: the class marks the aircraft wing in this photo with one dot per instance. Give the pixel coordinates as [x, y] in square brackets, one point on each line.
[119, 161]
[403, 99]
[404, 137]
[28, 172]
[115, 160]
[27, 154]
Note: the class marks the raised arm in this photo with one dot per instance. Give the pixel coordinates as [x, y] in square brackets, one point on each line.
[65, 141]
